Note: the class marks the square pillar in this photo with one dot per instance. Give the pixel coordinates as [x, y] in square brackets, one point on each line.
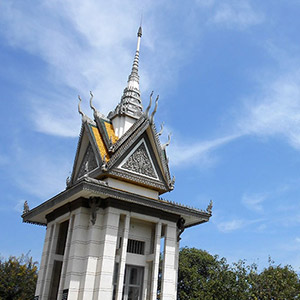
[168, 284]
[66, 257]
[77, 253]
[91, 262]
[155, 265]
[122, 263]
[49, 263]
[44, 261]
[108, 253]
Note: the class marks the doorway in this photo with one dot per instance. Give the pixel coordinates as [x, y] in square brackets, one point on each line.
[133, 283]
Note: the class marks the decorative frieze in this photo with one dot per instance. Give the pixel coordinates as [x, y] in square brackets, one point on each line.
[139, 162]
[89, 162]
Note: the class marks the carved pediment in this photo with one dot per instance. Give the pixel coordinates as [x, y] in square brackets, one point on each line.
[139, 161]
[89, 162]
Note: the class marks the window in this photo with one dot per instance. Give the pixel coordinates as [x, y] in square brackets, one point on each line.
[57, 266]
[136, 247]
[133, 282]
[115, 280]
[62, 237]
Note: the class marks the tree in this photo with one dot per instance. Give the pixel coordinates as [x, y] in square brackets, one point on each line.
[18, 278]
[275, 283]
[206, 277]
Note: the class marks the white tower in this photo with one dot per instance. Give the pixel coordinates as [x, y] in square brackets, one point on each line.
[107, 230]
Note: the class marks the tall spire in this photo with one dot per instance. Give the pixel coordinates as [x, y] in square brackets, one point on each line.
[133, 78]
[131, 103]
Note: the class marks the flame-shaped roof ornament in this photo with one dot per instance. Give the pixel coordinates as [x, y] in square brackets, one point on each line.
[131, 103]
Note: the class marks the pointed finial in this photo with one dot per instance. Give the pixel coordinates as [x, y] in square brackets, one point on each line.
[149, 106]
[171, 183]
[209, 207]
[131, 103]
[79, 107]
[161, 129]
[167, 143]
[91, 102]
[26, 207]
[154, 111]
[139, 34]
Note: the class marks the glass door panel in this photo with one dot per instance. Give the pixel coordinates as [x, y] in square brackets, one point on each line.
[133, 282]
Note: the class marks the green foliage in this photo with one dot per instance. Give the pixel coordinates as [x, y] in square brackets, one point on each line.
[275, 283]
[206, 277]
[18, 278]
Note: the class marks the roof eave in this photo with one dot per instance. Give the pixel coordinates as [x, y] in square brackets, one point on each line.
[88, 187]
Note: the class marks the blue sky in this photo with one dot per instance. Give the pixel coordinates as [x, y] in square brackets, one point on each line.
[228, 76]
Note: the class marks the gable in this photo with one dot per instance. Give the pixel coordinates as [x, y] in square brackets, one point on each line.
[99, 142]
[93, 148]
[89, 162]
[139, 161]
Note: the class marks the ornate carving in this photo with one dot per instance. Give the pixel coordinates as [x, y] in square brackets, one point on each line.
[209, 207]
[25, 208]
[154, 111]
[161, 129]
[89, 162]
[171, 183]
[139, 162]
[164, 146]
[149, 106]
[181, 227]
[94, 205]
[128, 139]
[68, 182]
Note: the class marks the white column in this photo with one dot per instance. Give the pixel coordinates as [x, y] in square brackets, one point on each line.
[168, 284]
[66, 257]
[123, 258]
[155, 266]
[49, 264]
[77, 253]
[107, 261]
[44, 262]
[176, 264]
[93, 253]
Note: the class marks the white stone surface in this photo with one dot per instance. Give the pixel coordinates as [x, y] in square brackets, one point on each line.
[121, 124]
[131, 188]
[92, 251]
[168, 285]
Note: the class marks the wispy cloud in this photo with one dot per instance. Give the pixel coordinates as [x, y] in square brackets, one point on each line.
[47, 178]
[232, 225]
[19, 206]
[237, 15]
[185, 152]
[87, 46]
[41, 173]
[254, 201]
[293, 245]
[275, 111]
[205, 3]
[3, 160]
[236, 224]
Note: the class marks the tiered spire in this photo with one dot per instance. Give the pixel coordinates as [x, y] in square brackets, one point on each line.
[131, 103]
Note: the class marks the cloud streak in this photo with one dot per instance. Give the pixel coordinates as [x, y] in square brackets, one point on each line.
[186, 152]
[74, 38]
[254, 201]
[88, 46]
[232, 225]
[237, 15]
[275, 111]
